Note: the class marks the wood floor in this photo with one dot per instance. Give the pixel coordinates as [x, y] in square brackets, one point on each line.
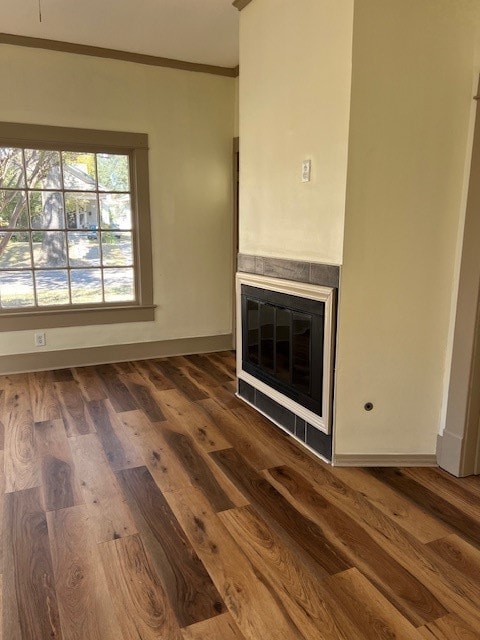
[143, 500]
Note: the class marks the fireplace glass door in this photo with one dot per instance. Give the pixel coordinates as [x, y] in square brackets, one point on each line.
[283, 343]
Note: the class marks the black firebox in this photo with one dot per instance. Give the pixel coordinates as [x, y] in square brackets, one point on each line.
[283, 343]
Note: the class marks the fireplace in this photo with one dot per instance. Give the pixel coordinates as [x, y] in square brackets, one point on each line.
[285, 352]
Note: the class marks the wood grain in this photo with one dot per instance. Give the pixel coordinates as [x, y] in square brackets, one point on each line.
[253, 603]
[443, 509]
[399, 585]
[140, 603]
[176, 511]
[145, 401]
[278, 511]
[60, 485]
[74, 412]
[2, 501]
[30, 604]
[22, 470]
[148, 438]
[181, 381]
[109, 516]
[374, 616]
[222, 627]
[44, 401]
[189, 588]
[118, 447]
[84, 601]
[89, 383]
[153, 376]
[117, 392]
[398, 508]
[450, 627]
[301, 591]
[197, 469]
[417, 559]
[193, 420]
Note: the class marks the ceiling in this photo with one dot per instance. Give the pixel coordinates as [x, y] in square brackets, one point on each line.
[203, 31]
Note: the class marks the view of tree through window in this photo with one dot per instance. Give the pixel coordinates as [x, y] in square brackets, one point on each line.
[65, 228]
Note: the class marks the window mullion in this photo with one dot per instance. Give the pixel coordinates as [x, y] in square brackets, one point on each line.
[30, 231]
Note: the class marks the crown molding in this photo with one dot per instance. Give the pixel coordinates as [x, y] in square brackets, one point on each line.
[241, 4]
[115, 54]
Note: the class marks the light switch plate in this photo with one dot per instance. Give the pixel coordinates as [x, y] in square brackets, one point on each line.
[306, 170]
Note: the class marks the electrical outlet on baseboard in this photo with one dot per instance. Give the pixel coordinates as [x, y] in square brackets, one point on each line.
[40, 339]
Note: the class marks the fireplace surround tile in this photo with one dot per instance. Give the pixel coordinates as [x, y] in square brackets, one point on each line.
[298, 428]
[287, 269]
[327, 275]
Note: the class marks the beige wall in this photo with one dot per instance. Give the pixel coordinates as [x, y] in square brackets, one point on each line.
[409, 101]
[294, 96]
[413, 71]
[189, 118]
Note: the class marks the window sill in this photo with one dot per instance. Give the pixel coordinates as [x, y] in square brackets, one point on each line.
[82, 316]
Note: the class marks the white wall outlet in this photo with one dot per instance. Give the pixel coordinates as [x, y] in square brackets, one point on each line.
[306, 170]
[40, 339]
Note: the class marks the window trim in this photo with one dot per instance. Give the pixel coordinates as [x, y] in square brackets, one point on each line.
[93, 140]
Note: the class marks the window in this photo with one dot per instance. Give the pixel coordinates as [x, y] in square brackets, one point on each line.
[74, 227]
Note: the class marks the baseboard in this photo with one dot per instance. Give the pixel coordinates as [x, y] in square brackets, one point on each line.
[45, 360]
[385, 460]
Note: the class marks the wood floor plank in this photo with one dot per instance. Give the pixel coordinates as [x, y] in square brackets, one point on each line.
[2, 500]
[74, 409]
[465, 523]
[450, 627]
[44, 401]
[116, 391]
[120, 451]
[89, 383]
[374, 616]
[145, 400]
[22, 469]
[278, 511]
[227, 526]
[164, 466]
[30, 605]
[109, 515]
[140, 603]
[1, 607]
[197, 469]
[60, 485]
[203, 374]
[62, 375]
[394, 505]
[442, 485]
[222, 627]
[226, 363]
[459, 554]
[153, 376]
[428, 566]
[301, 591]
[193, 420]
[181, 381]
[192, 595]
[402, 588]
[256, 451]
[84, 601]
[2, 414]
[254, 605]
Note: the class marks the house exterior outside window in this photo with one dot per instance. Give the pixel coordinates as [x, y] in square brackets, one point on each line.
[75, 243]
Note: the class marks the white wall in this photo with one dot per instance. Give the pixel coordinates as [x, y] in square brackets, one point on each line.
[189, 118]
[413, 67]
[295, 73]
